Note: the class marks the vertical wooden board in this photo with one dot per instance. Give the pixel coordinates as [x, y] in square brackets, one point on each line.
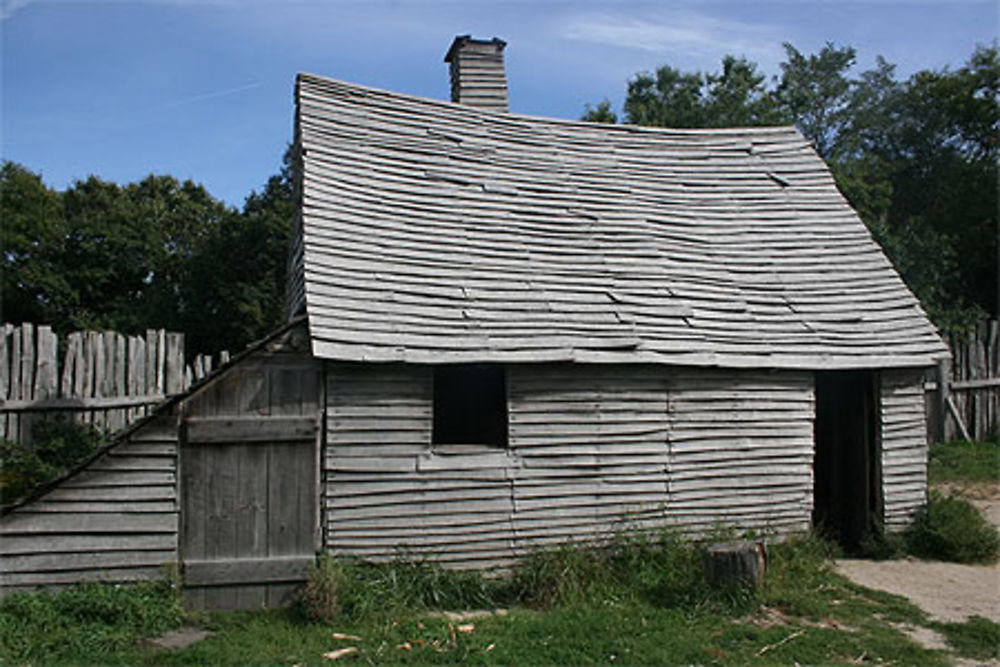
[27, 361]
[46, 371]
[251, 516]
[149, 384]
[110, 363]
[220, 538]
[69, 364]
[307, 497]
[285, 520]
[97, 361]
[252, 395]
[251, 519]
[27, 373]
[194, 512]
[194, 492]
[174, 367]
[4, 362]
[5, 331]
[15, 365]
[161, 361]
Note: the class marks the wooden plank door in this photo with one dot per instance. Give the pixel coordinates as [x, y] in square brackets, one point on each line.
[249, 525]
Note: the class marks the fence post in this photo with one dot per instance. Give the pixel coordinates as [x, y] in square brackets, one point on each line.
[941, 411]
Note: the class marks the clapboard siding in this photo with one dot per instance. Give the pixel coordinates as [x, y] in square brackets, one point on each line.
[115, 520]
[592, 450]
[387, 494]
[904, 445]
[741, 449]
[593, 444]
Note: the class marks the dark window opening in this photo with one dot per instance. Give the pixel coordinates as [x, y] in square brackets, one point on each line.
[470, 405]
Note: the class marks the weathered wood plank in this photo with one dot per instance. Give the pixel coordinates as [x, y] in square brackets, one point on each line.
[73, 562]
[36, 544]
[245, 570]
[249, 429]
[68, 523]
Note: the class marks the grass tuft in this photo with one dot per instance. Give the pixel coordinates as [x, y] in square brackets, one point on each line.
[346, 589]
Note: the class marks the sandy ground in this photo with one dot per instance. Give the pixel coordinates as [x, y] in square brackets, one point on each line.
[946, 591]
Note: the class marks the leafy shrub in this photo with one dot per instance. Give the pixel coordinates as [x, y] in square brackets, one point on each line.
[949, 528]
[58, 443]
[85, 621]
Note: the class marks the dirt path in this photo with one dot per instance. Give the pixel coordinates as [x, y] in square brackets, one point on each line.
[946, 591]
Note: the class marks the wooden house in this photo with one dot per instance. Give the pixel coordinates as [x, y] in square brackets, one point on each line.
[507, 332]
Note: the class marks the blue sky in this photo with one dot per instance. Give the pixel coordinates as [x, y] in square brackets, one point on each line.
[202, 89]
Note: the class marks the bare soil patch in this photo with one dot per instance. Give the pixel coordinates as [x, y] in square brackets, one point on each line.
[946, 591]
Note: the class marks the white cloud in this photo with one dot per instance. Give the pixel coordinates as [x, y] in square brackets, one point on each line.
[697, 36]
[8, 7]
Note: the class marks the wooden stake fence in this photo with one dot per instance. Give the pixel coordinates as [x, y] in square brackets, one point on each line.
[106, 379]
[967, 405]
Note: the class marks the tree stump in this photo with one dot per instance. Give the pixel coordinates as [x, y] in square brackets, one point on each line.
[740, 563]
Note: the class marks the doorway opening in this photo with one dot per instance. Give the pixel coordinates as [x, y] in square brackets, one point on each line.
[847, 475]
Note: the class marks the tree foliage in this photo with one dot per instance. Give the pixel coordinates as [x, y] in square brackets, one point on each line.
[155, 253]
[916, 158]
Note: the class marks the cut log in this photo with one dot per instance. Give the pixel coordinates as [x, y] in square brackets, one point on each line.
[738, 563]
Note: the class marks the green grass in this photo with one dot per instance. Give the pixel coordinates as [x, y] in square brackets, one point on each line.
[638, 600]
[965, 462]
[977, 638]
[86, 623]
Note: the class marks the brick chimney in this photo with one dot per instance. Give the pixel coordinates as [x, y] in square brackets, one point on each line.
[478, 78]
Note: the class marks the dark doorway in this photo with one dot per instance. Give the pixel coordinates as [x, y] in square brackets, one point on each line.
[846, 472]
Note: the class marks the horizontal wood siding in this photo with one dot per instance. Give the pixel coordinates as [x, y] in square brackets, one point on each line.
[904, 445]
[741, 450]
[116, 520]
[592, 450]
[388, 494]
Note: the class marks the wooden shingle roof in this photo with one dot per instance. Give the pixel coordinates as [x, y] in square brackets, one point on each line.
[438, 233]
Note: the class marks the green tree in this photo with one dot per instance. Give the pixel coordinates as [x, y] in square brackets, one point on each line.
[601, 113]
[32, 232]
[671, 98]
[239, 277]
[815, 92]
[738, 97]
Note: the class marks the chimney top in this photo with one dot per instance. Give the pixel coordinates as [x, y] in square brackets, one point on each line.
[478, 78]
[460, 41]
